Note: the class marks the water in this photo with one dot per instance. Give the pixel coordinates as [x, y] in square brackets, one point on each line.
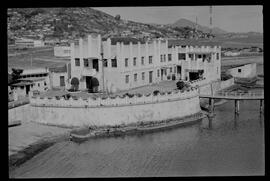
[230, 148]
[235, 146]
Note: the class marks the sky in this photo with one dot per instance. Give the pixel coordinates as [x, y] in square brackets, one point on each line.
[228, 18]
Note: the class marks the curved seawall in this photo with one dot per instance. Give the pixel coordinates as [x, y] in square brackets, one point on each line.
[114, 111]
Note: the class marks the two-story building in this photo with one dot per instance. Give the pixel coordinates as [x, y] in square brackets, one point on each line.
[127, 66]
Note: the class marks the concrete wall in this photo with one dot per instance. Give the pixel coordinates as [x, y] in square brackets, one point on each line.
[114, 111]
[246, 71]
[55, 79]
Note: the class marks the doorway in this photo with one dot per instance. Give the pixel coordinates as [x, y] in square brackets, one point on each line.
[27, 89]
[150, 76]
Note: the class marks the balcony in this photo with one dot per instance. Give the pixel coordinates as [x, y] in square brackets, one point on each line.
[87, 71]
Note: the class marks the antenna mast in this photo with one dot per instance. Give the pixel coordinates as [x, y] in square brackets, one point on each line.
[210, 20]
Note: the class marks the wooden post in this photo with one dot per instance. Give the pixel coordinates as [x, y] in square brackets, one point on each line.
[237, 106]
[261, 106]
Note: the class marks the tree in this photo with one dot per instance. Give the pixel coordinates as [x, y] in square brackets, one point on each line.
[117, 17]
[180, 84]
[75, 83]
[15, 75]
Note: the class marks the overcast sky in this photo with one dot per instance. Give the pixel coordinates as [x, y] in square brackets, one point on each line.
[228, 18]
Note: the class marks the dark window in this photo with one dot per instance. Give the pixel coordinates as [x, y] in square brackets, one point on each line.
[199, 56]
[22, 87]
[161, 57]
[135, 77]
[126, 62]
[158, 72]
[95, 64]
[169, 57]
[143, 75]
[127, 78]
[45, 83]
[217, 56]
[62, 81]
[142, 60]
[239, 70]
[181, 56]
[114, 62]
[150, 59]
[105, 62]
[85, 62]
[38, 84]
[171, 69]
[134, 61]
[164, 58]
[191, 56]
[77, 62]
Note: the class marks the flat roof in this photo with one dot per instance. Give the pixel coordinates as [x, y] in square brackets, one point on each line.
[22, 84]
[33, 79]
[192, 43]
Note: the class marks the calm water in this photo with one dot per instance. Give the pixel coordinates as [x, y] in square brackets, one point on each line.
[232, 147]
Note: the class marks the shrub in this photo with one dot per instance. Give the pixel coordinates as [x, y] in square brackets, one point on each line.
[156, 92]
[180, 84]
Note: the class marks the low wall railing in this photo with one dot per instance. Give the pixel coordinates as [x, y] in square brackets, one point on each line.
[115, 101]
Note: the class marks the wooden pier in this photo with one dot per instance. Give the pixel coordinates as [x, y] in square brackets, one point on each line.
[232, 96]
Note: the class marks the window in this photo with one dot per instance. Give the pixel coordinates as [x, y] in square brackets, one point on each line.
[161, 57]
[171, 69]
[142, 60]
[105, 62]
[134, 61]
[164, 58]
[169, 57]
[85, 62]
[217, 56]
[239, 70]
[62, 81]
[114, 62]
[135, 77]
[199, 56]
[126, 62]
[150, 59]
[38, 84]
[127, 79]
[181, 56]
[45, 83]
[77, 62]
[143, 75]
[190, 56]
[158, 72]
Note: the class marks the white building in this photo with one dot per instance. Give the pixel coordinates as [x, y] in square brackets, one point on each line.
[29, 43]
[61, 51]
[230, 53]
[244, 71]
[60, 76]
[134, 65]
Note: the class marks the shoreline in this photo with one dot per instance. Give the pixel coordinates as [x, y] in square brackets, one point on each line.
[29, 152]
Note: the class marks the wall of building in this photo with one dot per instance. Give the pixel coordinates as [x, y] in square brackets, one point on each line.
[114, 111]
[91, 48]
[246, 71]
[55, 79]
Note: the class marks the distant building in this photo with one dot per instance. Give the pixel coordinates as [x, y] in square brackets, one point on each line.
[244, 71]
[29, 43]
[231, 53]
[62, 51]
[134, 65]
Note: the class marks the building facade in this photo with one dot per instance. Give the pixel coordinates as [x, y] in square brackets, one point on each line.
[61, 51]
[127, 66]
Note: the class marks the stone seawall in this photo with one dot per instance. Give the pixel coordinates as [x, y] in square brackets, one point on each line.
[106, 112]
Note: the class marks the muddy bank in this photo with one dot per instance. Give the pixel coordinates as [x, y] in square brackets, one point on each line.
[22, 156]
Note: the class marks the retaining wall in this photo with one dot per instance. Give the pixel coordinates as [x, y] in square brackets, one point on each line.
[113, 111]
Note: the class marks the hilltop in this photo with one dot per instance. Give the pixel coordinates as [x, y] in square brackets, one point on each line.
[70, 23]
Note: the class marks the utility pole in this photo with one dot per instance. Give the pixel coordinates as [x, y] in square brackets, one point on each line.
[102, 61]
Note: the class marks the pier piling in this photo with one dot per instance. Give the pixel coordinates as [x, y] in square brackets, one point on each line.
[261, 106]
[237, 106]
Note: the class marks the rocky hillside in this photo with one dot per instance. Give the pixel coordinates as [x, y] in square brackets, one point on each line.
[187, 23]
[69, 23]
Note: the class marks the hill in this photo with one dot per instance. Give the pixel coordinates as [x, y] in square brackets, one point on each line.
[70, 23]
[187, 23]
